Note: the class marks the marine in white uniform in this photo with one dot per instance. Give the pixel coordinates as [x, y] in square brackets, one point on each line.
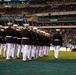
[9, 33]
[57, 43]
[25, 42]
[1, 38]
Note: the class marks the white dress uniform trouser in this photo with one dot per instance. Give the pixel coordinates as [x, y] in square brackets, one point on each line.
[9, 47]
[0, 48]
[56, 51]
[24, 52]
[47, 50]
[29, 52]
[33, 54]
[41, 51]
[14, 51]
[18, 50]
[37, 52]
[5, 50]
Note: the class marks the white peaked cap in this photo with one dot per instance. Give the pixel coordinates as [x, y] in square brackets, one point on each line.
[17, 29]
[35, 28]
[70, 40]
[15, 25]
[31, 26]
[20, 27]
[26, 24]
[38, 30]
[47, 33]
[2, 29]
[57, 29]
[0, 25]
[43, 31]
[9, 23]
[5, 27]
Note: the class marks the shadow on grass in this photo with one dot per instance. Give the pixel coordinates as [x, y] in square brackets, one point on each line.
[58, 61]
[43, 60]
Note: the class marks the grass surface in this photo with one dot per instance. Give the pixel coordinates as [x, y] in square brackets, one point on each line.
[65, 65]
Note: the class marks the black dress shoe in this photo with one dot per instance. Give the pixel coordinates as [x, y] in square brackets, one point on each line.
[8, 59]
[56, 58]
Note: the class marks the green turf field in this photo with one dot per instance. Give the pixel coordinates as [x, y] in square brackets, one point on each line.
[65, 65]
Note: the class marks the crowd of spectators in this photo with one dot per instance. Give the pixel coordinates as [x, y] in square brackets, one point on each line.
[60, 1]
[35, 10]
[57, 16]
[13, 11]
[46, 9]
[54, 24]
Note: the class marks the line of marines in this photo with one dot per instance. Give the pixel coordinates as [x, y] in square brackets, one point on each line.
[26, 41]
